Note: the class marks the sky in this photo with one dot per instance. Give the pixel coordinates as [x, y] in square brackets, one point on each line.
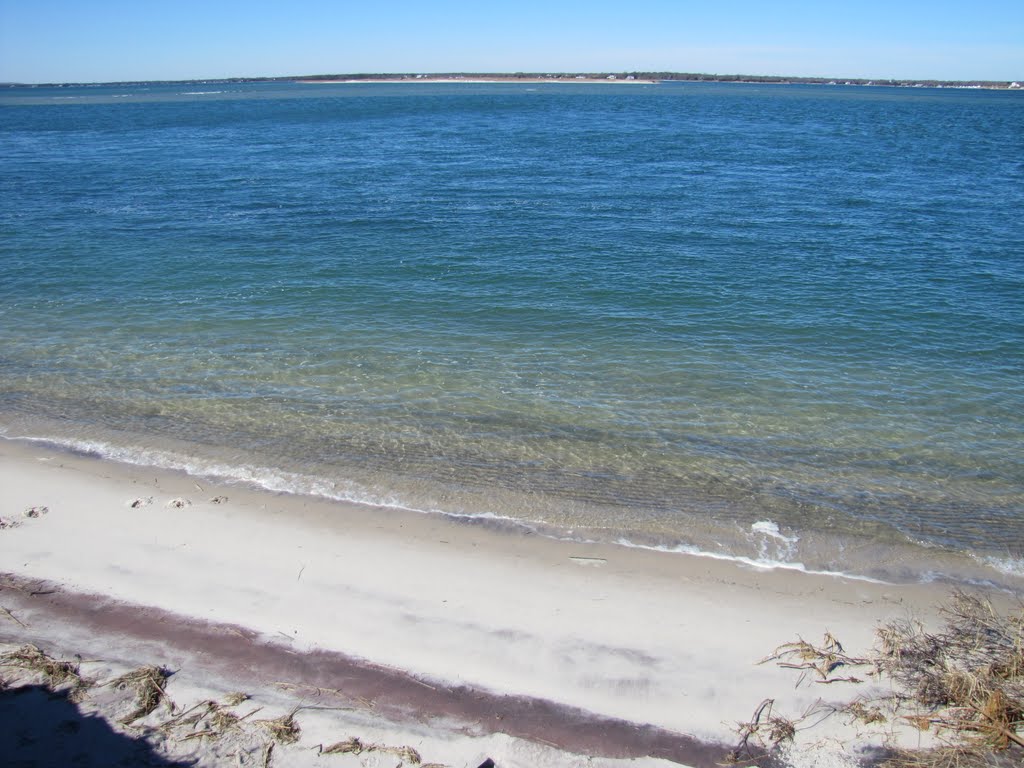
[116, 40]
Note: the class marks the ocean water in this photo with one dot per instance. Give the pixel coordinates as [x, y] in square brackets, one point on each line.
[781, 324]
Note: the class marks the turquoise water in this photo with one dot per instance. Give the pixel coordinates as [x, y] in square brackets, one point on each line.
[780, 323]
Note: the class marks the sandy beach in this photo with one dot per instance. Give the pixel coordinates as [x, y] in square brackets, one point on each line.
[460, 639]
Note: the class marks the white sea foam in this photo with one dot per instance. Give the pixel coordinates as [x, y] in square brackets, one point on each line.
[772, 544]
[199, 93]
[769, 528]
[1011, 566]
[758, 563]
[275, 480]
[281, 481]
[938, 577]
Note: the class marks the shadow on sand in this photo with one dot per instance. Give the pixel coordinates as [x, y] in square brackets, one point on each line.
[40, 728]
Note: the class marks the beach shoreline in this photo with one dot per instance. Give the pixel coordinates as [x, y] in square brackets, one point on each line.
[589, 633]
[681, 524]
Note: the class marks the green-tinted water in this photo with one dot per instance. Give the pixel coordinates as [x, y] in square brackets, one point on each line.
[783, 323]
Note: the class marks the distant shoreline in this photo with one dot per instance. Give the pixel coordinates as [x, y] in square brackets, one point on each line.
[475, 79]
[646, 78]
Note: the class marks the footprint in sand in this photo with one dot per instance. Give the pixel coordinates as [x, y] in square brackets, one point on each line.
[140, 503]
[219, 500]
[179, 503]
[6, 523]
[36, 511]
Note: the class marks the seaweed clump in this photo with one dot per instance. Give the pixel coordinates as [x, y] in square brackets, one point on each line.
[356, 746]
[55, 672]
[963, 683]
[149, 684]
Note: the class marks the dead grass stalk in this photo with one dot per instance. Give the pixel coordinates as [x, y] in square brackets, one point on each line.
[56, 672]
[964, 683]
[149, 684]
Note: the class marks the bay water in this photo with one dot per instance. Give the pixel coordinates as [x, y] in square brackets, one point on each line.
[780, 324]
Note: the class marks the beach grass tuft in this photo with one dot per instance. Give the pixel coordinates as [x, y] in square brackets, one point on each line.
[284, 729]
[356, 746]
[210, 719]
[234, 699]
[56, 672]
[966, 681]
[964, 684]
[824, 660]
[762, 734]
[352, 746]
[149, 684]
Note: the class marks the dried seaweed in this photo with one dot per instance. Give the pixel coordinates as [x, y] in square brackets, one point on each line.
[824, 660]
[356, 746]
[55, 671]
[762, 734]
[149, 684]
[352, 746]
[284, 729]
[964, 683]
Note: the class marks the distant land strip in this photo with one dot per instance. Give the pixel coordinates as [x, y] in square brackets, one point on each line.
[500, 77]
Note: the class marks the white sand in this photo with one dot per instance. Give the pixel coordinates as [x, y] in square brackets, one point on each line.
[652, 638]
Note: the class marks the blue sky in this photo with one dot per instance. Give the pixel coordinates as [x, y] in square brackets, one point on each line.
[106, 40]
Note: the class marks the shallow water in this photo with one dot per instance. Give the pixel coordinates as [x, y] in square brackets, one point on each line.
[784, 323]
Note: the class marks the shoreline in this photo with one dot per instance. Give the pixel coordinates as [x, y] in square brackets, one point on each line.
[763, 545]
[625, 635]
[645, 77]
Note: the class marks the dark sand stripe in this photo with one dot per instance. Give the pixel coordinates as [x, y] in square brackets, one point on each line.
[244, 656]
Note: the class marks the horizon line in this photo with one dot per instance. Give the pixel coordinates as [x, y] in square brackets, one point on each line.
[547, 75]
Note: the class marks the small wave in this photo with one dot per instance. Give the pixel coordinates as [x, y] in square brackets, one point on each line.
[769, 528]
[274, 480]
[773, 545]
[294, 483]
[1009, 566]
[758, 563]
[199, 93]
[938, 577]
[278, 481]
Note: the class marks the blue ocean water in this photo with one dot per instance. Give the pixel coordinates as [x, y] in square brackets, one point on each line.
[778, 323]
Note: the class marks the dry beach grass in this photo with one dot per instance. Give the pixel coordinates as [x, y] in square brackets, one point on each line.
[962, 684]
